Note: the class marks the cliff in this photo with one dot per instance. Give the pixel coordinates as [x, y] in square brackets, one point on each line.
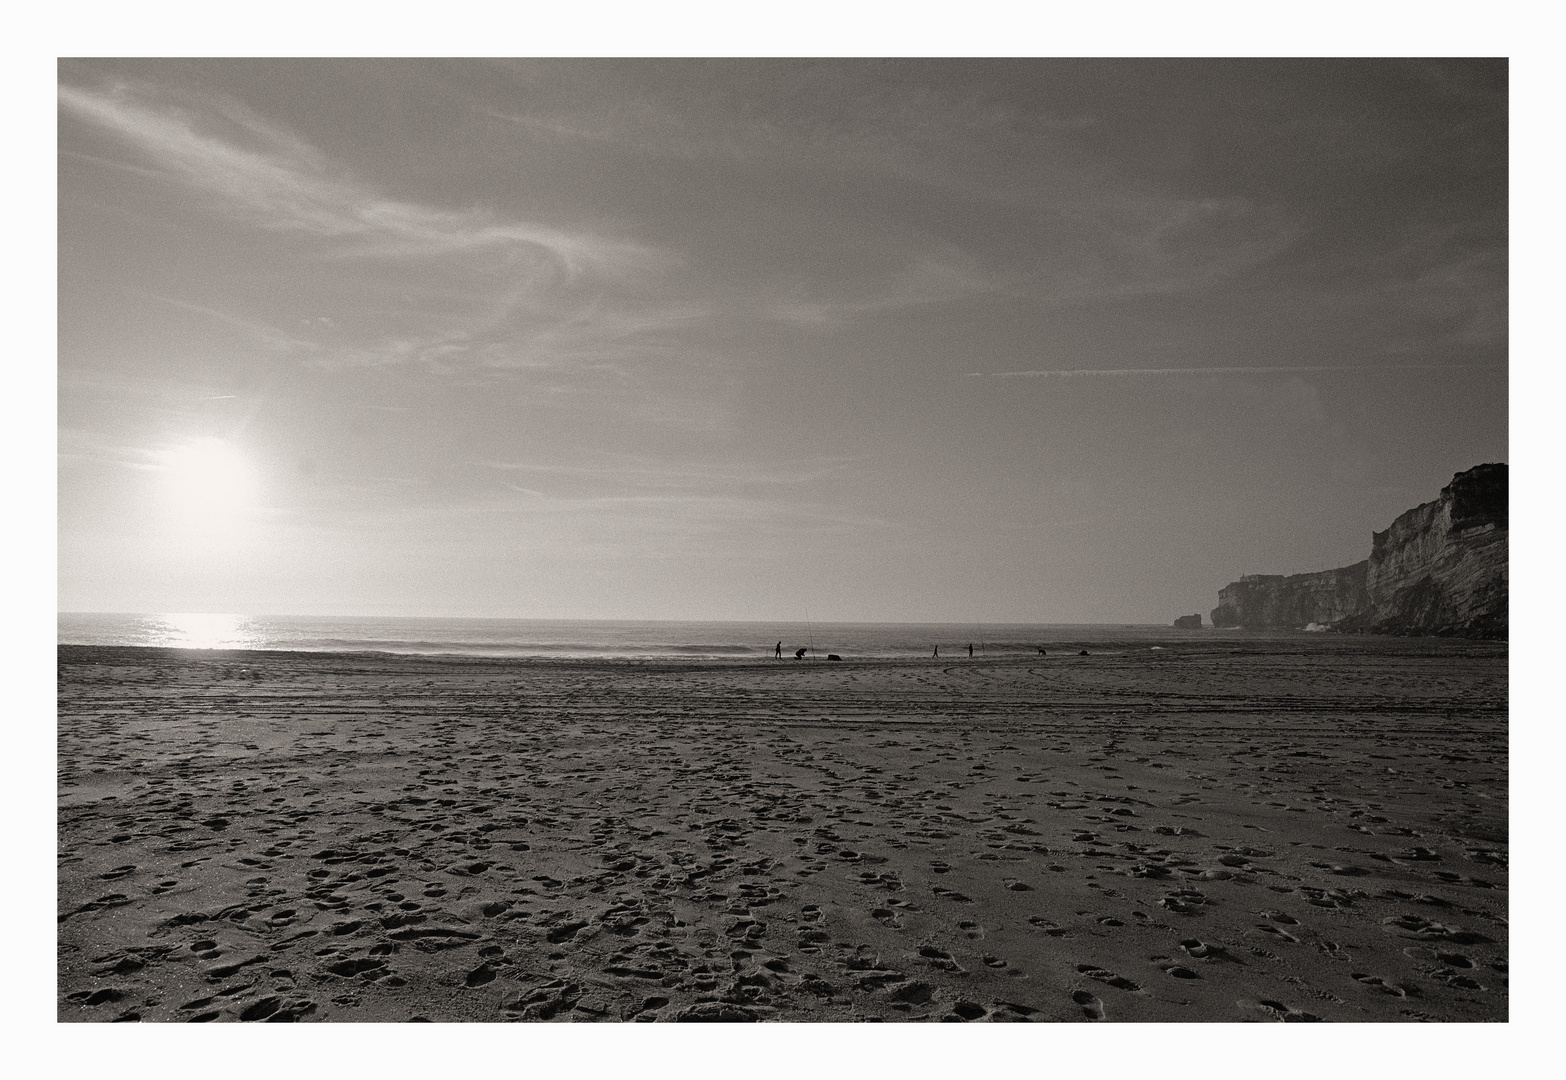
[1268, 601]
[1441, 568]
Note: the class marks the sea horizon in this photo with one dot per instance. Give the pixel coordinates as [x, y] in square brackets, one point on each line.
[566, 638]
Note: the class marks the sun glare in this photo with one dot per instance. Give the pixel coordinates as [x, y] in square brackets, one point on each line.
[189, 630]
[209, 483]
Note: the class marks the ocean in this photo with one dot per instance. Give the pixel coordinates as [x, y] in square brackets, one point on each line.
[586, 639]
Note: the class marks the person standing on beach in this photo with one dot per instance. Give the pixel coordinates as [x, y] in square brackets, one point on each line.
[937, 650]
[970, 650]
[778, 652]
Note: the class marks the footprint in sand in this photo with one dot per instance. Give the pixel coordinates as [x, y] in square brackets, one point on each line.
[1280, 1011]
[810, 940]
[1049, 926]
[1178, 971]
[1375, 983]
[964, 1011]
[1119, 982]
[1011, 1010]
[1276, 934]
[886, 918]
[938, 958]
[1092, 1008]
[1184, 902]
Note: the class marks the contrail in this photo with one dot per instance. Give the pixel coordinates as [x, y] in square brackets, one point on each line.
[1068, 373]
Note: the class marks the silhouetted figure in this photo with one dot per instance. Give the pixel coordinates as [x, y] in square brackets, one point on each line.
[970, 650]
[799, 654]
[779, 651]
[937, 650]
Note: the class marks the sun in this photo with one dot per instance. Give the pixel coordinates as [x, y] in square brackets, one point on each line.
[209, 483]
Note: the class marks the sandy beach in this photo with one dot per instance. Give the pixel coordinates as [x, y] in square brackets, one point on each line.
[1271, 829]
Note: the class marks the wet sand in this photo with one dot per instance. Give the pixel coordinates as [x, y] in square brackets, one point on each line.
[1286, 829]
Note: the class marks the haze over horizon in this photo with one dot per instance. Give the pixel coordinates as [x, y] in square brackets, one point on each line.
[1065, 341]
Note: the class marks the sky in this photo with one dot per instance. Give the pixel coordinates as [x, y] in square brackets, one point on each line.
[934, 340]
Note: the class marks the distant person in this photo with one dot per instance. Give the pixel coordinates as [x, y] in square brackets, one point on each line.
[970, 650]
[937, 650]
[778, 652]
[799, 654]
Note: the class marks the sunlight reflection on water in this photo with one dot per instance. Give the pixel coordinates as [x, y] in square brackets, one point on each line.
[188, 630]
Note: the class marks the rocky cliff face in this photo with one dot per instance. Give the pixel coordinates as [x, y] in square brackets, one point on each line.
[1268, 601]
[1441, 568]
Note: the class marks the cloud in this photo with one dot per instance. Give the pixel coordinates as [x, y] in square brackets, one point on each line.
[257, 172]
[270, 336]
[926, 279]
[943, 127]
[448, 289]
[1358, 369]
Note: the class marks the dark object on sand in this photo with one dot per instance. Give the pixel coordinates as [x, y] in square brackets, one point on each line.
[833, 656]
[799, 654]
[1189, 622]
[1043, 653]
[1082, 653]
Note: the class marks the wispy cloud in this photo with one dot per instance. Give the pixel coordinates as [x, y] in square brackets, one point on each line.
[1131, 243]
[450, 289]
[1109, 236]
[931, 278]
[262, 333]
[1356, 369]
[258, 172]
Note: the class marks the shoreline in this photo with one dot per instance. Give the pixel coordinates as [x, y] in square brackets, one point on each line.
[1245, 642]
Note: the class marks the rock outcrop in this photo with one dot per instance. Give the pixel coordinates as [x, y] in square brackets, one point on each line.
[1189, 622]
[1441, 568]
[1272, 601]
